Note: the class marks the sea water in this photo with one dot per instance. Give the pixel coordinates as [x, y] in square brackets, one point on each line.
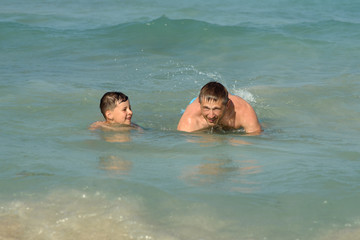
[295, 62]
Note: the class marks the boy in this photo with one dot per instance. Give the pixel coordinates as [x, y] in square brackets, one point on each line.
[116, 109]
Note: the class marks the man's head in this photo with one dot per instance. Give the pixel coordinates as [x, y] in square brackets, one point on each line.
[213, 91]
[213, 100]
[116, 108]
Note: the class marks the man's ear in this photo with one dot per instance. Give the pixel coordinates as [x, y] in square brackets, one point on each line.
[228, 104]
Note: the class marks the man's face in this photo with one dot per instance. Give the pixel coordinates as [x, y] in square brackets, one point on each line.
[121, 114]
[212, 111]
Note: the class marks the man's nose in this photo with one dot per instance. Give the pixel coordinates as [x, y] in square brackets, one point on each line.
[211, 114]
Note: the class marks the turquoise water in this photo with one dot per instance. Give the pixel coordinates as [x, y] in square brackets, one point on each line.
[296, 62]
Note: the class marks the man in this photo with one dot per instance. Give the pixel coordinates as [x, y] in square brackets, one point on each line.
[216, 108]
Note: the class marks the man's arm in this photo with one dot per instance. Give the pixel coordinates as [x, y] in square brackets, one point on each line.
[250, 122]
[188, 122]
[185, 124]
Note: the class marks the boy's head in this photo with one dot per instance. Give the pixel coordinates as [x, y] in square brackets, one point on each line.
[116, 108]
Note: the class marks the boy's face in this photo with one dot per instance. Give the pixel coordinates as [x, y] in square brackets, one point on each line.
[121, 114]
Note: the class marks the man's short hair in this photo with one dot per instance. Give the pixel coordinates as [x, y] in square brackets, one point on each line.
[214, 91]
[110, 100]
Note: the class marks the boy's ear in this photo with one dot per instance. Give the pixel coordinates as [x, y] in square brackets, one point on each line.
[109, 115]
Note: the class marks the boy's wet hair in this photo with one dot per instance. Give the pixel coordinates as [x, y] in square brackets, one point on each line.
[214, 91]
[110, 100]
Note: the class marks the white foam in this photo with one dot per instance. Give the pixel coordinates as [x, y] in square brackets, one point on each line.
[245, 94]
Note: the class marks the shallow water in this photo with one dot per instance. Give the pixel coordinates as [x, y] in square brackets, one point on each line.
[296, 63]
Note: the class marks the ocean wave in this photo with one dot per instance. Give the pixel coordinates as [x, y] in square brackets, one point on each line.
[163, 32]
[326, 30]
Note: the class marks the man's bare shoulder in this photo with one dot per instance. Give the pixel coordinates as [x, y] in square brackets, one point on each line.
[241, 105]
[238, 101]
[245, 115]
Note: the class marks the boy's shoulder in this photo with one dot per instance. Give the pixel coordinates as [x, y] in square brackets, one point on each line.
[97, 125]
[103, 125]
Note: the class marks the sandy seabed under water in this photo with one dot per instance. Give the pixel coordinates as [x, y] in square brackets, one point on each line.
[72, 214]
